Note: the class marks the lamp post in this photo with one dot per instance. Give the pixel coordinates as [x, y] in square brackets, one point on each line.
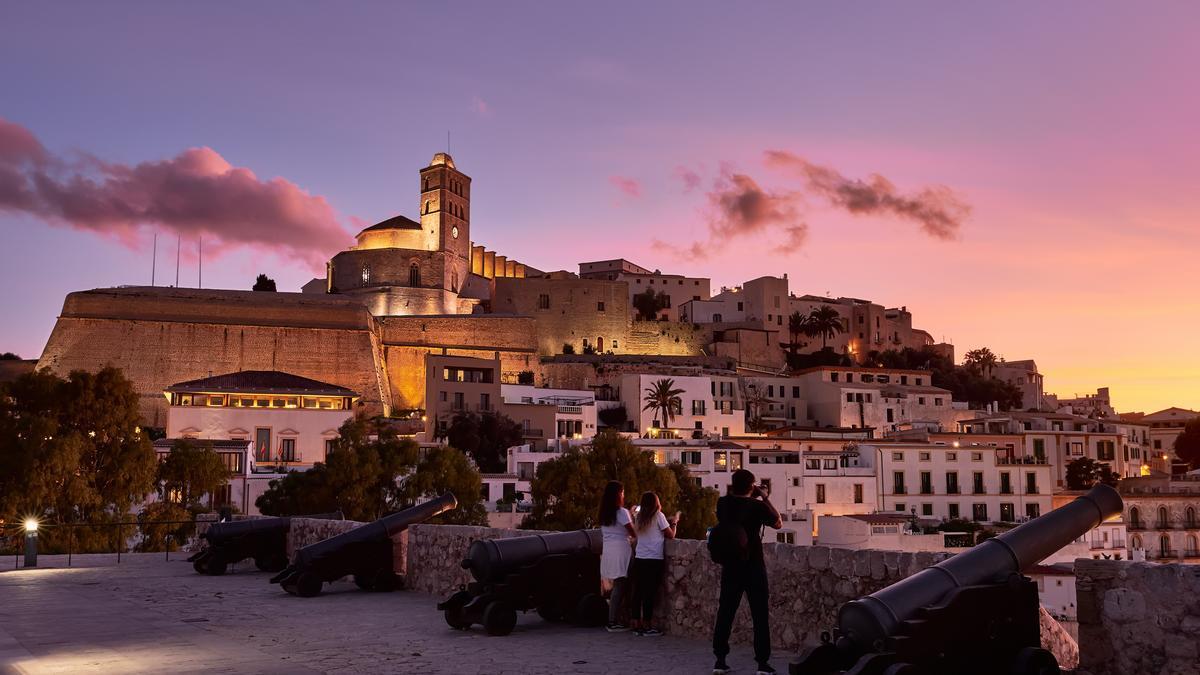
[31, 527]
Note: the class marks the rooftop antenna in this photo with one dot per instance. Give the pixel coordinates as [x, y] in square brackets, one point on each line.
[154, 258]
[447, 141]
[178, 245]
[200, 266]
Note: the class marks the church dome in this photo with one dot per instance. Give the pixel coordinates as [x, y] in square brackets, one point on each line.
[393, 223]
[442, 158]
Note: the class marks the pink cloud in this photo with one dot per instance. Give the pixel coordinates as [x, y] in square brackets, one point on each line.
[480, 107]
[196, 193]
[689, 178]
[628, 186]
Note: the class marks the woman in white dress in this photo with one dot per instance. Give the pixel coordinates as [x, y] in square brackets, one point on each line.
[619, 537]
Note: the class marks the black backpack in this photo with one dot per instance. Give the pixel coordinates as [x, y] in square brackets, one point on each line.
[727, 540]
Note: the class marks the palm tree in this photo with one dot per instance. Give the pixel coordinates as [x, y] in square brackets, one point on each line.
[797, 326]
[663, 397]
[981, 360]
[823, 322]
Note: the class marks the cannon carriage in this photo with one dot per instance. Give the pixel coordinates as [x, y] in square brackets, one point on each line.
[973, 613]
[263, 539]
[557, 575]
[365, 553]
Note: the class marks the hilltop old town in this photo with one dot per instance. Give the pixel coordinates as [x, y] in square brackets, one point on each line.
[865, 431]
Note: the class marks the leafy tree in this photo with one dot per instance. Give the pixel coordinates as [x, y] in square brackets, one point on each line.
[823, 322]
[1187, 444]
[525, 377]
[589, 349]
[442, 470]
[264, 283]
[966, 383]
[821, 357]
[663, 398]
[71, 451]
[797, 327]
[615, 417]
[568, 348]
[485, 438]
[299, 493]
[1085, 472]
[9, 356]
[190, 471]
[165, 525]
[566, 490]
[648, 304]
[981, 361]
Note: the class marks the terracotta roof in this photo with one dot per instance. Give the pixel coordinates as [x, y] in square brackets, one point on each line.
[394, 223]
[261, 382]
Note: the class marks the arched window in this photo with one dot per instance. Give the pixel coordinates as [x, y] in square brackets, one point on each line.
[1191, 518]
[414, 275]
[425, 185]
[1135, 543]
[1135, 518]
[426, 206]
[1162, 516]
[1191, 546]
[1164, 546]
[716, 318]
[366, 274]
[600, 345]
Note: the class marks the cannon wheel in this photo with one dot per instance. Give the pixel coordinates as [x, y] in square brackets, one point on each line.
[364, 582]
[215, 567]
[271, 563]
[200, 566]
[455, 615]
[591, 611]
[499, 618]
[551, 611]
[308, 585]
[1034, 661]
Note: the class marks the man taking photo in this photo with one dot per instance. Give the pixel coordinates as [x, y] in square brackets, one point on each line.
[736, 543]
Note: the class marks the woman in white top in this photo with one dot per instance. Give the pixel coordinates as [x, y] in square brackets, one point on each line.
[617, 530]
[653, 530]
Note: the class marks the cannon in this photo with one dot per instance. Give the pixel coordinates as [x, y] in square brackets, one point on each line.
[972, 613]
[558, 575]
[264, 539]
[364, 553]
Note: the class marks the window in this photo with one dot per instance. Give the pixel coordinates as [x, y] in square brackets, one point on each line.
[366, 274]
[951, 482]
[951, 456]
[1033, 510]
[1158, 444]
[920, 400]
[1006, 484]
[1135, 518]
[287, 450]
[1106, 450]
[979, 512]
[858, 493]
[414, 275]
[820, 493]
[812, 464]
[796, 482]
[924, 456]
[329, 445]
[897, 456]
[977, 483]
[898, 483]
[1039, 448]
[927, 509]
[833, 377]
[1189, 518]
[900, 506]
[1031, 487]
[544, 301]
[976, 456]
[1077, 449]
[926, 483]
[795, 392]
[952, 511]
[937, 400]
[829, 464]
[849, 398]
[785, 537]
[262, 445]
[1163, 519]
[721, 460]
[1007, 512]
[599, 306]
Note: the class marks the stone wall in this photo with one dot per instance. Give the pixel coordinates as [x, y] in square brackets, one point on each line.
[1138, 617]
[573, 312]
[668, 338]
[808, 584]
[1058, 641]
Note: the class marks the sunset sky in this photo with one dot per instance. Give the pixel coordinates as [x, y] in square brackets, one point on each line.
[1038, 186]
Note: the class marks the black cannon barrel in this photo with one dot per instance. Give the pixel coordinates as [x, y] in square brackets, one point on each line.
[378, 530]
[218, 532]
[866, 620]
[491, 559]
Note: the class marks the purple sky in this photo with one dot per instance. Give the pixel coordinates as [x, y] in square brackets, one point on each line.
[591, 131]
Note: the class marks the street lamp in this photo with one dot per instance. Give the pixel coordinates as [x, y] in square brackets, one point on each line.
[31, 528]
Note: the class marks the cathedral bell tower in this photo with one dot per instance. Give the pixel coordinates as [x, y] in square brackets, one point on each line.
[446, 217]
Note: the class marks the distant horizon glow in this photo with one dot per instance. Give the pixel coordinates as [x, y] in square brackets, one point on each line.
[1039, 201]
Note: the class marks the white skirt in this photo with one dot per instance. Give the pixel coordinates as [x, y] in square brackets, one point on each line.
[614, 561]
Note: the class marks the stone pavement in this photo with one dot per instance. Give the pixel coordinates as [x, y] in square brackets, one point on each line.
[151, 615]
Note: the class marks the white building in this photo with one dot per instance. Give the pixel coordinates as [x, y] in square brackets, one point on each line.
[573, 411]
[707, 406]
[676, 288]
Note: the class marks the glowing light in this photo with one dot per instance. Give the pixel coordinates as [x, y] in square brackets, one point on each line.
[956, 444]
[31, 525]
[1145, 470]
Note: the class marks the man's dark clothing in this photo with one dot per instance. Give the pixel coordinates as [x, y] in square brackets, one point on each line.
[747, 577]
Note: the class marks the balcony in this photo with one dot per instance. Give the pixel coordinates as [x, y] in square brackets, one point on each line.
[1136, 525]
[532, 433]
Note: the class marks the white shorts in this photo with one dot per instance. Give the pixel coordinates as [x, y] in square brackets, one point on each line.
[614, 562]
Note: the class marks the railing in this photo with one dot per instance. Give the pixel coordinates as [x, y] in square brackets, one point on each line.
[120, 537]
[532, 433]
[570, 409]
[1136, 525]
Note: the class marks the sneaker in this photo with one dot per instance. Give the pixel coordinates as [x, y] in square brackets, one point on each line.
[650, 632]
[721, 668]
[616, 628]
[765, 669]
